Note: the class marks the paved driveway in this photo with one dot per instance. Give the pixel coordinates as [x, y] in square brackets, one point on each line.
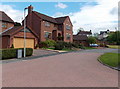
[80, 69]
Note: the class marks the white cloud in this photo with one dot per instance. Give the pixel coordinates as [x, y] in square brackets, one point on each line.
[96, 18]
[14, 14]
[61, 5]
[58, 14]
[99, 17]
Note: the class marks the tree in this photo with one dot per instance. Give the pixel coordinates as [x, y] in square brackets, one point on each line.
[114, 38]
[92, 40]
[80, 29]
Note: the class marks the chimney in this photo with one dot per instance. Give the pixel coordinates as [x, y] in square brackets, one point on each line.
[30, 9]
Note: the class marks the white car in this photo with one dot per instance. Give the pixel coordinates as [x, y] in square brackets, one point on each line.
[93, 45]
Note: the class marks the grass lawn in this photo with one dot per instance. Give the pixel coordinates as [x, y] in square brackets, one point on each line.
[90, 48]
[110, 59]
[114, 46]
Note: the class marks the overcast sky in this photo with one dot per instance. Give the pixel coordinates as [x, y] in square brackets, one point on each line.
[97, 16]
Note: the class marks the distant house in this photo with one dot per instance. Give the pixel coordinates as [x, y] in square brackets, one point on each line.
[87, 33]
[104, 34]
[82, 37]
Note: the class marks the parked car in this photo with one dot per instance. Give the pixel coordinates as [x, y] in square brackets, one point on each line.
[94, 45]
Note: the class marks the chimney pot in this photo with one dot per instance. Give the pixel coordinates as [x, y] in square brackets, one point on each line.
[30, 9]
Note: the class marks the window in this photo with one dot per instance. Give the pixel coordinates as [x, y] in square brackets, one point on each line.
[4, 25]
[47, 24]
[68, 27]
[68, 36]
[47, 35]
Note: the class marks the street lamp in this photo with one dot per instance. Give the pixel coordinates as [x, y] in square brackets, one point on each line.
[24, 33]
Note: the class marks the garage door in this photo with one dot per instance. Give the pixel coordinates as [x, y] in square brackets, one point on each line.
[19, 43]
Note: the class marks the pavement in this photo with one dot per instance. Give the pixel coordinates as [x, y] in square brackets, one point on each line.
[74, 69]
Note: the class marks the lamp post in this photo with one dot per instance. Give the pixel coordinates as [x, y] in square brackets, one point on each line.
[24, 33]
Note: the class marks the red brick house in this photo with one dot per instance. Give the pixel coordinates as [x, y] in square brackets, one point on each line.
[5, 21]
[11, 34]
[39, 27]
[82, 37]
[47, 27]
[15, 36]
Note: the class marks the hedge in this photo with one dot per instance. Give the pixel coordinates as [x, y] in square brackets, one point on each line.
[12, 53]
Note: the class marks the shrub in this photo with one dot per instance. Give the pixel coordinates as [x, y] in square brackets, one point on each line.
[43, 45]
[12, 53]
[75, 45]
[92, 40]
[47, 43]
[81, 46]
[59, 46]
[68, 45]
[29, 51]
[9, 53]
[50, 43]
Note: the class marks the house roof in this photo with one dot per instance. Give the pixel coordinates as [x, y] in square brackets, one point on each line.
[80, 37]
[15, 30]
[58, 20]
[45, 17]
[85, 32]
[61, 20]
[5, 17]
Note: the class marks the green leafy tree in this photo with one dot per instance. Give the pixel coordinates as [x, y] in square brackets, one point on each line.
[114, 38]
[92, 40]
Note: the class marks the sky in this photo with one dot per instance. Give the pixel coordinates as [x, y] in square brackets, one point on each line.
[99, 15]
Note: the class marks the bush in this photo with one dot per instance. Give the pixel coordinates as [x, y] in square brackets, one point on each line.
[43, 45]
[75, 45]
[47, 43]
[9, 53]
[92, 40]
[50, 43]
[81, 46]
[12, 53]
[68, 45]
[59, 46]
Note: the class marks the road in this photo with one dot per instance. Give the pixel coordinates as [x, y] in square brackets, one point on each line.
[76, 69]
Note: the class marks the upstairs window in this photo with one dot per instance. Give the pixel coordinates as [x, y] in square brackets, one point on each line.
[68, 27]
[47, 24]
[4, 25]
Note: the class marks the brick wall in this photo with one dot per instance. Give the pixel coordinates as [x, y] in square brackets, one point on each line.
[8, 25]
[65, 31]
[5, 42]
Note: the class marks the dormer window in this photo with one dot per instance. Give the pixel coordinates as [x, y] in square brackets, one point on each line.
[67, 27]
[47, 24]
[4, 25]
